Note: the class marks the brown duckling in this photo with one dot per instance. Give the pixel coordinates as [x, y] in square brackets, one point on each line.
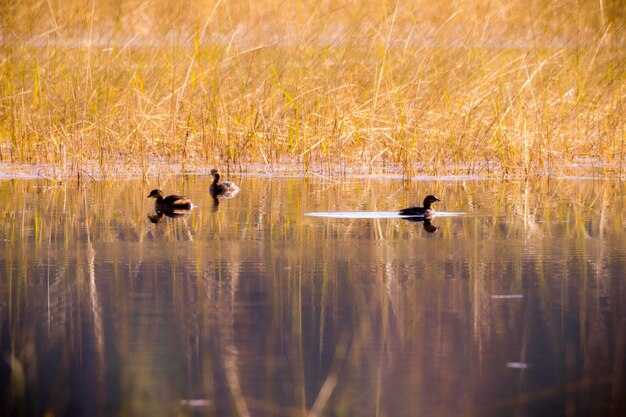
[225, 189]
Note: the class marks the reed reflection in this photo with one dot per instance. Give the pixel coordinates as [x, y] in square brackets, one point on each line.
[257, 310]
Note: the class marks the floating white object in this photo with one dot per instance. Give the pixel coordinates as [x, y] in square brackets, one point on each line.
[507, 296]
[375, 214]
[195, 403]
[518, 365]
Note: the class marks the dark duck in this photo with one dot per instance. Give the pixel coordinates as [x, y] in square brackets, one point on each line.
[427, 211]
[171, 203]
[225, 189]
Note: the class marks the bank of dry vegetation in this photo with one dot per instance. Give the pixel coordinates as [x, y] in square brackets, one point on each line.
[419, 87]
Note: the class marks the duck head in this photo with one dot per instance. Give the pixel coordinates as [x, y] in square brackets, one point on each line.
[429, 200]
[155, 194]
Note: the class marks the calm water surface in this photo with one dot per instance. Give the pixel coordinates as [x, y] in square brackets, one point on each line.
[250, 308]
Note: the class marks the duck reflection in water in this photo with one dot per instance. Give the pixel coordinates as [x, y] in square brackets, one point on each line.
[170, 206]
[155, 218]
[224, 189]
[426, 222]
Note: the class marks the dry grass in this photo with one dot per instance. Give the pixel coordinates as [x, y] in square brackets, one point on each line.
[334, 87]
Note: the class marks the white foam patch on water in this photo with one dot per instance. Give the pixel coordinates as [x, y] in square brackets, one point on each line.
[374, 214]
[518, 365]
[195, 403]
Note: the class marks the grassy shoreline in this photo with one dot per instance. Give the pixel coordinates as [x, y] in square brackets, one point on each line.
[488, 89]
[163, 171]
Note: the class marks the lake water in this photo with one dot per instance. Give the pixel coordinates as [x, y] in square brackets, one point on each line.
[252, 308]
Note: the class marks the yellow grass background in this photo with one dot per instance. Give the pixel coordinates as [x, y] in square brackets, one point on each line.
[416, 87]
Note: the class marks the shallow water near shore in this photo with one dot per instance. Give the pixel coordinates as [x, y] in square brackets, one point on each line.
[251, 308]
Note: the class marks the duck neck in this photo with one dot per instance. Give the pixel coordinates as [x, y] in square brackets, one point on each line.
[216, 178]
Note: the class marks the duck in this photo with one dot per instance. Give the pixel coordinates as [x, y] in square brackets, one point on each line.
[225, 189]
[171, 203]
[426, 211]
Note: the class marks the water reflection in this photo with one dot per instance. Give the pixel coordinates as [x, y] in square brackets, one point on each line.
[216, 202]
[426, 222]
[518, 307]
[158, 215]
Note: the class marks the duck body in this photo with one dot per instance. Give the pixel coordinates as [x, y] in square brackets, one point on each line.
[170, 203]
[225, 188]
[425, 211]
